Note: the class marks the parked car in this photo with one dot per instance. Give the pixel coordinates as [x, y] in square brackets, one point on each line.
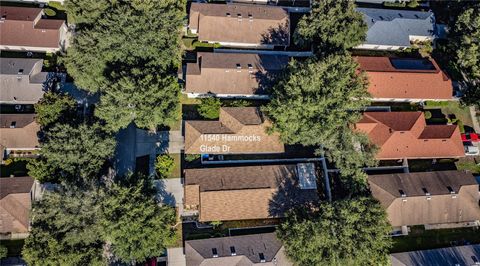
[470, 137]
[471, 150]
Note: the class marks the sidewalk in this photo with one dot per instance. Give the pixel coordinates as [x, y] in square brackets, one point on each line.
[476, 124]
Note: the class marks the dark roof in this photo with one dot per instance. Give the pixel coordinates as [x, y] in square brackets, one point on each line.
[21, 120]
[260, 12]
[462, 255]
[49, 24]
[14, 185]
[19, 13]
[245, 115]
[249, 246]
[412, 184]
[11, 66]
[437, 132]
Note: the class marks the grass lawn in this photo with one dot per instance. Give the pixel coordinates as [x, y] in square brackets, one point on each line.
[14, 246]
[469, 163]
[176, 173]
[452, 107]
[430, 239]
[16, 168]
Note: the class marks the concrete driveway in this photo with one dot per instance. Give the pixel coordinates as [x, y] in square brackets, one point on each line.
[170, 191]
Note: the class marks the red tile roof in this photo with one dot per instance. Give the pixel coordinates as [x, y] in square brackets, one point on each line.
[389, 82]
[406, 135]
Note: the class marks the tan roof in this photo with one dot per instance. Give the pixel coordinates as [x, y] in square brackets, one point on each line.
[453, 197]
[406, 135]
[245, 192]
[410, 78]
[15, 204]
[239, 130]
[24, 135]
[218, 73]
[24, 26]
[259, 24]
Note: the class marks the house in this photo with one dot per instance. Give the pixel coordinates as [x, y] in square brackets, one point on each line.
[22, 80]
[16, 196]
[405, 135]
[265, 249]
[25, 29]
[444, 199]
[390, 29]
[239, 130]
[459, 255]
[240, 25]
[230, 75]
[405, 79]
[18, 135]
[249, 192]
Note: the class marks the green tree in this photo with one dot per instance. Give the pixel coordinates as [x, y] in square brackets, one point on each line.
[347, 232]
[77, 151]
[413, 4]
[135, 225]
[53, 108]
[209, 108]
[164, 165]
[331, 26]
[466, 46]
[141, 96]
[65, 231]
[3, 251]
[42, 171]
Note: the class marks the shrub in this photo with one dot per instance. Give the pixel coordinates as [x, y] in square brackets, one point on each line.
[188, 42]
[239, 103]
[57, 5]
[8, 161]
[204, 44]
[394, 4]
[164, 165]
[49, 12]
[427, 114]
[3, 251]
[436, 103]
[413, 4]
[460, 126]
[209, 108]
[192, 157]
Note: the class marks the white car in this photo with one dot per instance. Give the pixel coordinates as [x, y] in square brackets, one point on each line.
[471, 150]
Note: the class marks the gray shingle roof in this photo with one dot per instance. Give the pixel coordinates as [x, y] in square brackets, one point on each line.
[462, 255]
[393, 27]
[21, 80]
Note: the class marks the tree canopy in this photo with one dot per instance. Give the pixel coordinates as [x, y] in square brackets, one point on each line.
[209, 108]
[331, 26]
[65, 231]
[466, 45]
[114, 41]
[135, 225]
[346, 232]
[54, 107]
[317, 102]
[164, 165]
[73, 152]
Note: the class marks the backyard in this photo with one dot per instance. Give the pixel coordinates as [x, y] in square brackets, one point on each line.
[449, 110]
[421, 239]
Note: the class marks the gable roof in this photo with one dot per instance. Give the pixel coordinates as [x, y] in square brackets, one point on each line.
[24, 135]
[245, 192]
[429, 197]
[21, 80]
[259, 24]
[15, 204]
[406, 135]
[400, 78]
[218, 73]
[23, 26]
[461, 255]
[394, 27]
[247, 249]
[239, 129]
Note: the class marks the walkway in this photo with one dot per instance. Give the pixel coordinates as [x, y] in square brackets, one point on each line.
[170, 191]
[176, 257]
[476, 124]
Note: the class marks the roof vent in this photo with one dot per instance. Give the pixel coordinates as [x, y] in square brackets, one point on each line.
[214, 253]
[239, 16]
[232, 251]
[239, 66]
[13, 124]
[381, 18]
[402, 193]
[250, 17]
[20, 71]
[450, 189]
[250, 68]
[262, 257]
[425, 191]
[228, 15]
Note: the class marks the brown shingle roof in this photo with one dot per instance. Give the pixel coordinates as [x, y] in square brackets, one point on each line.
[387, 81]
[217, 73]
[247, 192]
[15, 204]
[24, 135]
[406, 135]
[24, 27]
[415, 209]
[242, 129]
[267, 25]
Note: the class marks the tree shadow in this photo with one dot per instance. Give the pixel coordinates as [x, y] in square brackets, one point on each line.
[277, 36]
[289, 195]
[464, 255]
[163, 195]
[270, 69]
